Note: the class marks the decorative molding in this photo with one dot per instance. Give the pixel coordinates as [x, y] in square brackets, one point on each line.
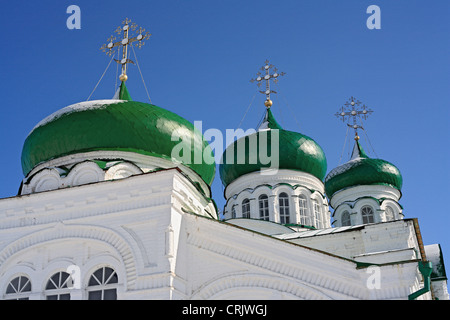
[143, 162]
[61, 231]
[48, 179]
[140, 244]
[122, 170]
[375, 191]
[83, 173]
[308, 275]
[86, 172]
[216, 287]
[292, 177]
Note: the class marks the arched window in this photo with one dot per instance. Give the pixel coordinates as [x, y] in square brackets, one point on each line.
[367, 214]
[18, 289]
[389, 212]
[283, 201]
[57, 286]
[246, 208]
[317, 218]
[263, 207]
[233, 212]
[303, 207]
[102, 285]
[345, 219]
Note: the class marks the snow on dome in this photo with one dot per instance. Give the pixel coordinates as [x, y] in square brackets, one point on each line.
[81, 106]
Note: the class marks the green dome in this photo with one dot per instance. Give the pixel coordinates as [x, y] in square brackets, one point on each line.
[115, 125]
[362, 170]
[296, 152]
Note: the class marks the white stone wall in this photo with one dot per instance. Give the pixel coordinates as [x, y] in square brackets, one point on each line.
[164, 241]
[373, 243]
[126, 225]
[238, 264]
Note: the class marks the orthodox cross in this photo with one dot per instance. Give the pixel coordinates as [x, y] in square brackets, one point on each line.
[267, 77]
[353, 109]
[128, 39]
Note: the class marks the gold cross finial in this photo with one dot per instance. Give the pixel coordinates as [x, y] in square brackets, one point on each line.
[350, 111]
[128, 39]
[267, 77]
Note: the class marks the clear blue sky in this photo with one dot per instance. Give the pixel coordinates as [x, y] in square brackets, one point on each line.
[203, 53]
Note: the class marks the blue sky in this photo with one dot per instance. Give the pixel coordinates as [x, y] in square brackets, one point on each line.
[200, 59]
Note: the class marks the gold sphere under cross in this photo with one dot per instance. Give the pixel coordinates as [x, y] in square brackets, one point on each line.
[268, 103]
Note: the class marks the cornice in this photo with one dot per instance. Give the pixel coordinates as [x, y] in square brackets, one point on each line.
[90, 200]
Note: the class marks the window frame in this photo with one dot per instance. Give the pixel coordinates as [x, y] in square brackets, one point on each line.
[345, 217]
[263, 206]
[317, 214]
[391, 214]
[233, 212]
[245, 208]
[103, 285]
[367, 217]
[61, 289]
[303, 210]
[284, 208]
[21, 291]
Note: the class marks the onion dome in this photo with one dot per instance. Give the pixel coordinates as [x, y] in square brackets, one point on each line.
[296, 152]
[115, 125]
[362, 170]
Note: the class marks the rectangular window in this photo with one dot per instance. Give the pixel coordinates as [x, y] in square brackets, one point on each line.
[303, 211]
[264, 208]
[284, 209]
[246, 208]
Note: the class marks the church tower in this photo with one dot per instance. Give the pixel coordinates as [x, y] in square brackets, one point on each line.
[286, 190]
[363, 190]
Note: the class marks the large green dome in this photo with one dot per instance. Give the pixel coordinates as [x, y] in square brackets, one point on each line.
[296, 152]
[362, 170]
[115, 125]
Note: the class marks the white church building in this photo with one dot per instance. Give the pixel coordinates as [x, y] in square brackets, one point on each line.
[106, 212]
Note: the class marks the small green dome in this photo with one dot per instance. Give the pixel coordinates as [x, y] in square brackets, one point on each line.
[115, 125]
[362, 170]
[296, 152]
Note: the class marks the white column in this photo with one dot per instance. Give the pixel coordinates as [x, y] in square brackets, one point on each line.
[273, 211]
[296, 208]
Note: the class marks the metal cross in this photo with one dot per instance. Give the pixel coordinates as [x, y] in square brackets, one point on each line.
[350, 111]
[267, 77]
[127, 40]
